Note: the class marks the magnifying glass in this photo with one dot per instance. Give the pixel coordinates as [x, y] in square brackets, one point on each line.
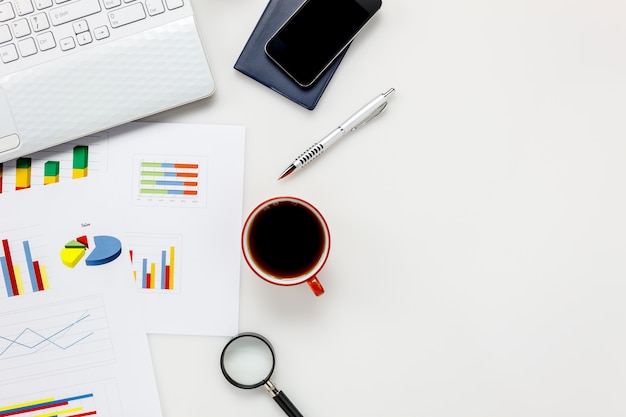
[248, 362]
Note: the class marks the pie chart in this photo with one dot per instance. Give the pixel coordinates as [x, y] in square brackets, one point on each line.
[105, 249]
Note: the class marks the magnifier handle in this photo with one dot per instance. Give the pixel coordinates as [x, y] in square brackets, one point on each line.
[282, 400]
[286, 404]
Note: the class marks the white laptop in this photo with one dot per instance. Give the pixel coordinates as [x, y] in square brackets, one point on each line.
[69, 68]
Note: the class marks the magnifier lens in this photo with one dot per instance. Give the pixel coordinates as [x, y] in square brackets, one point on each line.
[248, 361]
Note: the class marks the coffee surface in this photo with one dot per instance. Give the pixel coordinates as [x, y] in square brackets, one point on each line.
[286, 239]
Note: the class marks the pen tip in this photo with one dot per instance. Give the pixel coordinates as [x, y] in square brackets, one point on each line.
[288, 171]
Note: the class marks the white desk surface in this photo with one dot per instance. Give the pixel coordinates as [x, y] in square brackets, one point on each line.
[478, 227]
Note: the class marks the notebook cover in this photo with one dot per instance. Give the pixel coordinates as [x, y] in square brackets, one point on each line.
[256, 64]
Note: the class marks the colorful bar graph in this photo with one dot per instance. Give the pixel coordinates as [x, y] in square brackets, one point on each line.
[23, 173]
[12, 274]
[51, 172]
[76, 406]
[166, 271]
[165, 178]
[80, 161]
[53, 165]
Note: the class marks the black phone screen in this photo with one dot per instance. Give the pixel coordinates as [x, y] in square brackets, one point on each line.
[318, 32]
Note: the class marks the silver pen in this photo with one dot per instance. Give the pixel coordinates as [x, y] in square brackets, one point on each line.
[364, 115]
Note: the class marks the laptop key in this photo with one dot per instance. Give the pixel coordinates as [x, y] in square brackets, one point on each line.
[39, 22]
[74, 11]
[174, 4]
[126, 15]
[108, 4]
[46, 41]
[6, 12]
[67, 43]
[27, 47]
[5, 34]
[101, 32]
[24, 7]
[8, 53]
[80, 26]
[84, 38]
[155, 7]
[20, 28]
[43, 4]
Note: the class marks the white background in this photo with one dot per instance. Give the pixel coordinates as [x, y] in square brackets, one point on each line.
[478, 226]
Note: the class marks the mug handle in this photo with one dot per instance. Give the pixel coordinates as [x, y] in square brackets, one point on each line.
[315, 285]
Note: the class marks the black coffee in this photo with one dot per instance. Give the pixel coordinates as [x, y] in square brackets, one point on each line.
[286, 239]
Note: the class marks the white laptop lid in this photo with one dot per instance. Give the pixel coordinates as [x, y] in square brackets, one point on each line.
[107, 83]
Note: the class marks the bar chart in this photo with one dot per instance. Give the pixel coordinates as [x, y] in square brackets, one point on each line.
[22, 271]
[66, 162]
[51, 169]
[75, 406]
[169, 181]
[99, 397]
[161, 178]
[156, 261]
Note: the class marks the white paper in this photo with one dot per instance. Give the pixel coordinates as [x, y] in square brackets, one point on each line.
[76, 346]
[203, 228]
[194, 229]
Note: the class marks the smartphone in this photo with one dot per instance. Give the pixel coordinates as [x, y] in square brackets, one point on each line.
[319, 30]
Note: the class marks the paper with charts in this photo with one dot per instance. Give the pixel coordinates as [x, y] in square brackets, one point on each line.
[71, 340]
[176, 192]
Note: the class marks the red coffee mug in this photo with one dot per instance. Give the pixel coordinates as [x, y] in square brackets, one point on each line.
[286, 241]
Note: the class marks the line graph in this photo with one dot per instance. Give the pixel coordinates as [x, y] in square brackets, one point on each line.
[55, 337]
[43, 341]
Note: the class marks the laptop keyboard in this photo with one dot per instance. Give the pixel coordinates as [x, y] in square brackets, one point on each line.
[30, 29]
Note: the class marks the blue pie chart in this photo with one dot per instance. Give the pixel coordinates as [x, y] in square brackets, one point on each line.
[107, 249]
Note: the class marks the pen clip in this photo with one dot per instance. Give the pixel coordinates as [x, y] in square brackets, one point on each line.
[377, 111]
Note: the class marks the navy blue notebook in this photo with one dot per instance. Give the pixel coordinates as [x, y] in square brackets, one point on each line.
[256, 64]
